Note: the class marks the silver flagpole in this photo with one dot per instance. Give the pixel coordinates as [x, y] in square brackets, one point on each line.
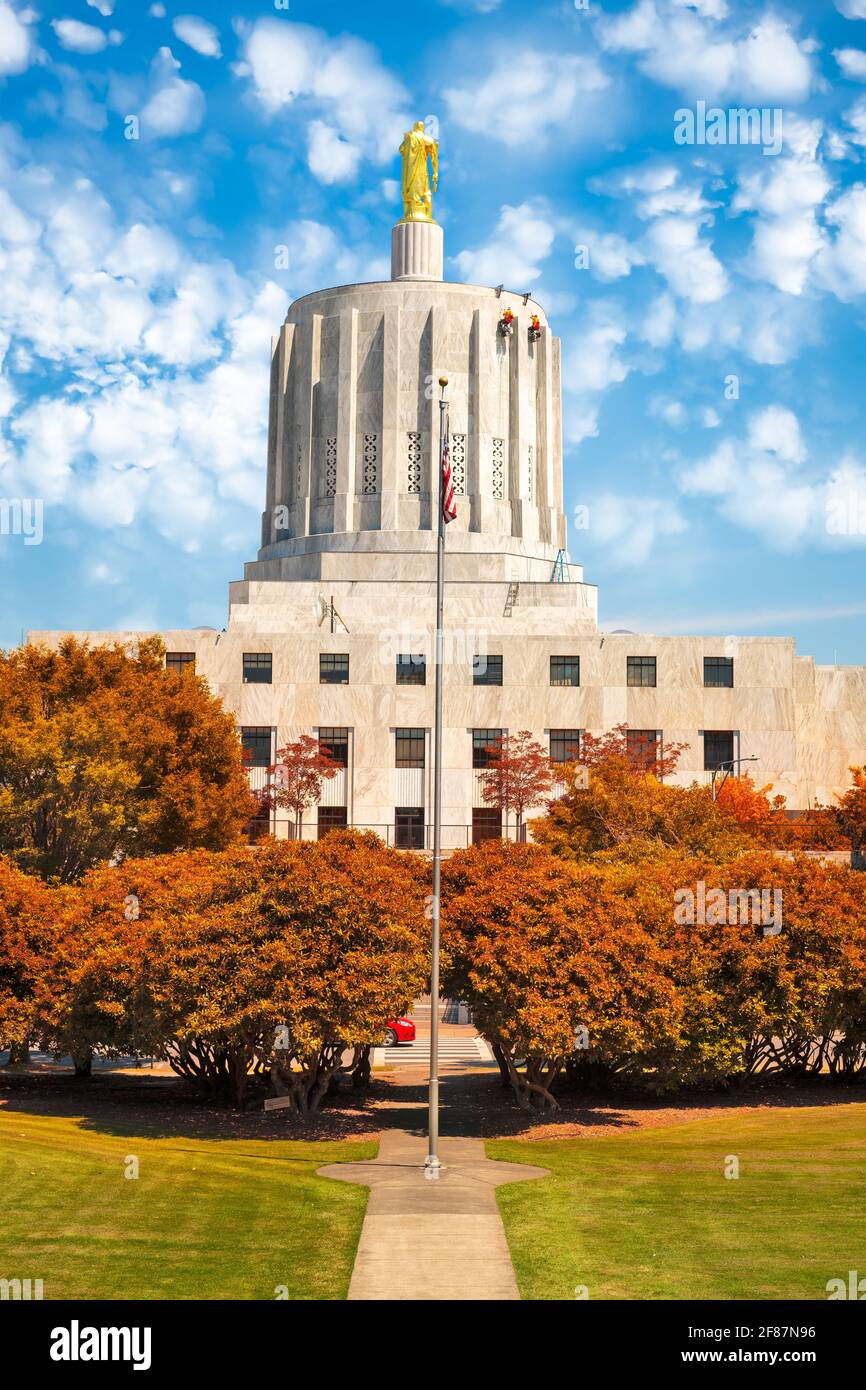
[432, 1164]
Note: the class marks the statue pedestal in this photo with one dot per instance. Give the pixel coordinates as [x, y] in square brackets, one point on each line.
[417, 251]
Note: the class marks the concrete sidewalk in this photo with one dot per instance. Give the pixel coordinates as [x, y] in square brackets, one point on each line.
[426, 1238]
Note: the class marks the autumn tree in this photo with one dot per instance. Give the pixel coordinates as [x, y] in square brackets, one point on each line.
[517, 777]
[850, 813]
[298, 775]
[28, 931]
[246, 969]
[555, 964]
[629, 812]
[600, 750]
[105, 753]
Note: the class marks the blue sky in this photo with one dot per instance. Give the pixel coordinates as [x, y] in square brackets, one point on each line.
[713, 344]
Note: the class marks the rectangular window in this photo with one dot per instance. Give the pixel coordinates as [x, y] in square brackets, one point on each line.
[257, 668]
[718, 748]
[565, 670]
[640, 670]
[336, 742]
[256, 745]
[411, 670]
[409, 748]
[331, 818]
[564, 745]
[258, 827]
[409, 827]
[333, 668]
[486, 824]
[642, 746]
[484, 742]
[487, 670]
[179, 661]
[719, 672]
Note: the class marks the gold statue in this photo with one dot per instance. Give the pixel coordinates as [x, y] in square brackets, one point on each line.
[417, 198]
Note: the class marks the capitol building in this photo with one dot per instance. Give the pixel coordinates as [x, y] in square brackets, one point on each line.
[330, 631]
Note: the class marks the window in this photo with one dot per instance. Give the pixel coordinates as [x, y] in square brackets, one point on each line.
[258, 827]
[642, 746]
[640, 670]
[487, 670]
[411, 670]
[409, 748]
[257, 668]
[333, 669]
[331, 818]
[256, 745]
[485, 741]
[179, 661]
[564, 745]
[335, 742]
[565, 670]
[409, 827]
[719, 672]
[486, 824]
[718, 748]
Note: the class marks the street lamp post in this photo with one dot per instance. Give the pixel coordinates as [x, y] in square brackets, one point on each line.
[727, 765]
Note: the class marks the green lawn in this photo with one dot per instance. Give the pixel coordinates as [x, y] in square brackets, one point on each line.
[205, 1219]
[649, 1214]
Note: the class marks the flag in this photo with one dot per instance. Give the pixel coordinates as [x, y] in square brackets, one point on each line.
[449, 506]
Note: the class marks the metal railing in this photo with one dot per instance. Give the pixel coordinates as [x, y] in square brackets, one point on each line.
[397, 836]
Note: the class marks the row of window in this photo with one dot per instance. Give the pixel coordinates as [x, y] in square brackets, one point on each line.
[410, 828]
[486, 670]
[643, 745]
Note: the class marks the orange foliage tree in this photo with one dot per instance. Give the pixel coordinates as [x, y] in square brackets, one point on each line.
[850, 813]
[104, 753]
[28, 931]
[597, 970]
[244, 968]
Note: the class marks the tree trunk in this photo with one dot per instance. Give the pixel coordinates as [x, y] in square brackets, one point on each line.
[19, 1053]
[84, 1065]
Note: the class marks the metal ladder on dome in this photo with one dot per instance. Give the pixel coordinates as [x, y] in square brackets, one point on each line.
[559, 573]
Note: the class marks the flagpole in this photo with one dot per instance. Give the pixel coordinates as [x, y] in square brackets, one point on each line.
[432, 1164]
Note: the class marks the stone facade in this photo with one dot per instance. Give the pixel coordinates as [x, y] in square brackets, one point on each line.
[345, 576]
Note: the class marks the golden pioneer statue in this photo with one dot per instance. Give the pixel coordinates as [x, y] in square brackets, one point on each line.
[417, 197]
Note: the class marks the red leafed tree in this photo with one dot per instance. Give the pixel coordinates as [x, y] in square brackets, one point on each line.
[298, 773]
[518, 775]
[659, 759]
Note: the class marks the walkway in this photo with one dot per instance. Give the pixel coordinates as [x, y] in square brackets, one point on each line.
[431, 1238]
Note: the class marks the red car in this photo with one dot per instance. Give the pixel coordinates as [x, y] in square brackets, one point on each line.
[399, 1030]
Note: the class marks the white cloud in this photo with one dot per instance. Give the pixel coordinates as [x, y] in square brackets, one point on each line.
[787, 194]
[175, 106]
[16, 46]
[852, 9]
[611, 256]
[522, 238]
[331, 158]
[760, 485]
[105, 7]
[78, 37]
[852, 62]
[675, 248]
[627, 527]
[198, 34]
[841, 265]
[549, 91]
[342, 81]
[685, 50]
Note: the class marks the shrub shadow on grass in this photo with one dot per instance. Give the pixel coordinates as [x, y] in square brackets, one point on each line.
[161, 1107]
